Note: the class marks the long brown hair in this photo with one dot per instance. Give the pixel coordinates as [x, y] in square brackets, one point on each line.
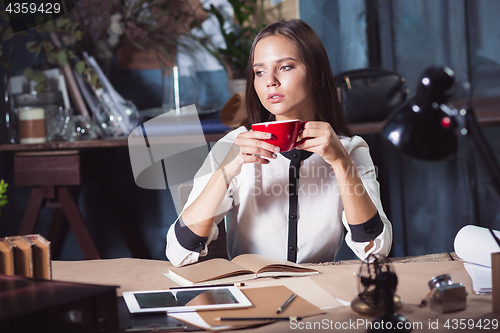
[319, 74]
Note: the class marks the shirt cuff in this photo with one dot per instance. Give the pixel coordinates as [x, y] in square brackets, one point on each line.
[368, 230]
[188, 239]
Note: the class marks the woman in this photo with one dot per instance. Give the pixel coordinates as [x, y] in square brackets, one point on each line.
[288, 205]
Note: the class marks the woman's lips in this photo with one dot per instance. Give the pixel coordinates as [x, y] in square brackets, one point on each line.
[275, 97]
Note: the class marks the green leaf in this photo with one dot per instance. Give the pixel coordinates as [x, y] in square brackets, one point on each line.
[47, 46]
[51, 58]
[6, 65]
[49, 26]
[73, 28]
[31, 46]
[39, 77]
[93, 79]
[62, 22]
[28, 72]
[38, 50]
[78, 35]
[41, 29]
[80, 66]
[40, 87]
[62, 58]
[7, 34]
[3, 202]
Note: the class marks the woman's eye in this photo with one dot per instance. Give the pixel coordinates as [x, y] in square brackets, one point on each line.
[258, 73]
[286, 68]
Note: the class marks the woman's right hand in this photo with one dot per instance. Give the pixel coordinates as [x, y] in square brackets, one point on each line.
[249, 147]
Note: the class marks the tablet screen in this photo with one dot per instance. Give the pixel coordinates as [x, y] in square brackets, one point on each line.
[185, 299]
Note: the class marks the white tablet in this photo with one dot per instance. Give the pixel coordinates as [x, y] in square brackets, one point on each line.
[184, 300]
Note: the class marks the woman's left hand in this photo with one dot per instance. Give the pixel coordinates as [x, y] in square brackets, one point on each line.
[322, 140]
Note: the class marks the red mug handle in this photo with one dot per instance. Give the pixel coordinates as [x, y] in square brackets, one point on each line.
[302, 124]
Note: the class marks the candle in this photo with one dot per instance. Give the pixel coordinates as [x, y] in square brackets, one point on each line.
[32, 125]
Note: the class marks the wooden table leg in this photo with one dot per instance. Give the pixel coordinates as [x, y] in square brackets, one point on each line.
[76, 222]
[31, 212]
[56, 232]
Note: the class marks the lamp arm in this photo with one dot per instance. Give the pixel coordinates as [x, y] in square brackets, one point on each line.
[484, 150]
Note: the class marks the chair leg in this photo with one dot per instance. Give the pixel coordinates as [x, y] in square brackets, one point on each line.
[31, 213]
[76, 222]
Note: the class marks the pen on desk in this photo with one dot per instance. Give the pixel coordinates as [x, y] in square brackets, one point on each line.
[281, 308]
[424, 300]
[495, 236]
[259, 318]
[209, 286]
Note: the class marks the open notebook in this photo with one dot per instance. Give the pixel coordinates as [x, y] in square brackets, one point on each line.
[241, 268]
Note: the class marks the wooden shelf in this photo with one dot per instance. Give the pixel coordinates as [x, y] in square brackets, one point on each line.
[107, 143]
[487, 110]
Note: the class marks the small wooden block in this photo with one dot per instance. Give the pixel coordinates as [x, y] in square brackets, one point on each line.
[47, 170]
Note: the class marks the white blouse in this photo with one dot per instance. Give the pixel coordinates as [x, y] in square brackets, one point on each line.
[257, 205]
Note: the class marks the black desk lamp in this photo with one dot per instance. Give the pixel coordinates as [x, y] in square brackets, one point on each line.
[427, 126]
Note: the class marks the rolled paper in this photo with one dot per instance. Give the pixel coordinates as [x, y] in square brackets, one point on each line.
[476, 244]
[32, 125]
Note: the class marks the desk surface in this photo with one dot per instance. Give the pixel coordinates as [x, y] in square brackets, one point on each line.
[337, 279]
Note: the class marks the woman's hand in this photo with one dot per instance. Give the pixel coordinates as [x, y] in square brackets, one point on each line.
[249, 147]
[322, 140]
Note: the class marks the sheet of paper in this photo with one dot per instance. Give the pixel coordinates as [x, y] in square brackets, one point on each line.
[305, 287]
[195, 319]
[481, 278]
[475, 244]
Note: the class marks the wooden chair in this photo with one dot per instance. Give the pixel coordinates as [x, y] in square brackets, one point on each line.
[217, 248]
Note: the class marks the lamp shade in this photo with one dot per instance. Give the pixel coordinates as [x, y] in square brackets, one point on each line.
[419, 127]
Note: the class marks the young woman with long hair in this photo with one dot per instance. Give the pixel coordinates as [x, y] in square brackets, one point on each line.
[289, 205]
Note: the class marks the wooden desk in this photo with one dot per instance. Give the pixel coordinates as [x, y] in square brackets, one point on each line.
[336, 278]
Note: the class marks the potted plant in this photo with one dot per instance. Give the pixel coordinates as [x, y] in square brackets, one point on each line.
[248, 19]
[3, 197]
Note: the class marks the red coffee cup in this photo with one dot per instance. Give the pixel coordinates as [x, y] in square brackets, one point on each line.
[284, 133]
